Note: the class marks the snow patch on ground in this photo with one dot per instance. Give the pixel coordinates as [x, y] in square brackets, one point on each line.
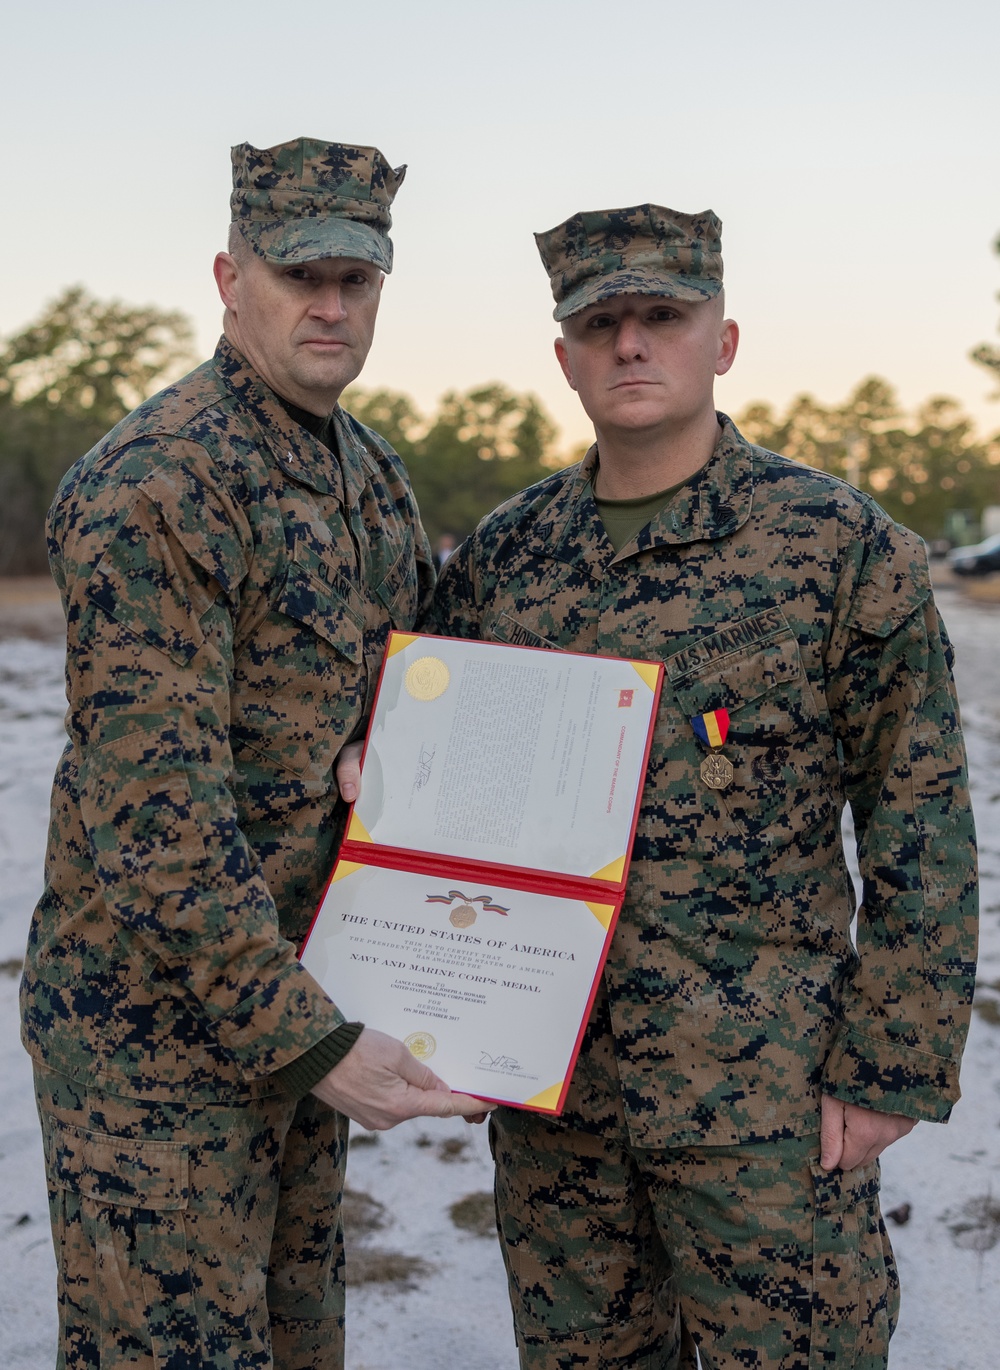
[456, 1313]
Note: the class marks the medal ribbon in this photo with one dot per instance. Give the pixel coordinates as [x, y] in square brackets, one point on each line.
[712, 727]
[485, 899]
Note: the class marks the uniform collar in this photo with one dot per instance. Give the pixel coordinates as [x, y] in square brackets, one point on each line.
[715, 501]
[291, 447]
[713, 504]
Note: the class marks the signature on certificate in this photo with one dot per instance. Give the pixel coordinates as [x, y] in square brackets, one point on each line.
[424, 762]
[498, 1062]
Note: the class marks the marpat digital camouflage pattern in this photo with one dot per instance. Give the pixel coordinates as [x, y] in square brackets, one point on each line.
[788, 598]
[806, 1275]
[680, 1194]
[622, 1258]
[164, 1195]
[641, 250]
[306, 199]
[229, 585]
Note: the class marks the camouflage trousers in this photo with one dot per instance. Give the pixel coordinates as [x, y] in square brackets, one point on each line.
[193, 1234]
[624, 1259]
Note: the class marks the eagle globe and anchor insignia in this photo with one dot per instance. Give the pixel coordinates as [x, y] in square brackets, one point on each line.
[427, 678]
[420, 1044]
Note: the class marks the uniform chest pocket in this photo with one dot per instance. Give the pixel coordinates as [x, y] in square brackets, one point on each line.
[311, 603]
[300, 679]
[777, 746]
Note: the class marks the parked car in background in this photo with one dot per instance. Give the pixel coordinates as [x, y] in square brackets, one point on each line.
[978, 559]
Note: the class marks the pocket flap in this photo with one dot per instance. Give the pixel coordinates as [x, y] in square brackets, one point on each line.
[842, 1191]
[894, 584]
[736, 680]
[311, 601]
[119, 1170]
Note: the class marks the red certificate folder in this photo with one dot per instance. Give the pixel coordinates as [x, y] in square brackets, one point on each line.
[476, 891]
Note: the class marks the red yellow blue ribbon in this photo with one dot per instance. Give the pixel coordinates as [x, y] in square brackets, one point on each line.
[485, 899]
[712, 727]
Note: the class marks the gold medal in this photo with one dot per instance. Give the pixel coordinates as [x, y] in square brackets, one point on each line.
[421, 1045]
[717, 771]
[462, 916]
[427, 678]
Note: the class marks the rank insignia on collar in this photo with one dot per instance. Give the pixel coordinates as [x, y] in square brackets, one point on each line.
[713, 728]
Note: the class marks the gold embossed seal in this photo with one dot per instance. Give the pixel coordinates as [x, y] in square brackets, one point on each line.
[427, 677]
[462, 916]
[421, 1045]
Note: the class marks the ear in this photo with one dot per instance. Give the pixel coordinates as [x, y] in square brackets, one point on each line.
[226, 272]
[563, 357]
[729, 341]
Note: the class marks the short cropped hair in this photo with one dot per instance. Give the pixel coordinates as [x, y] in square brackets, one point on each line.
[239, 249]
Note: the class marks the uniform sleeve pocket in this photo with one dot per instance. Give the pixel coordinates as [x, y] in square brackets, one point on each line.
[894, 584]
[141, 583]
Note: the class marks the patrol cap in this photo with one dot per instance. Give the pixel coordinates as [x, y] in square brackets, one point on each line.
[308, 199]
[642, 250]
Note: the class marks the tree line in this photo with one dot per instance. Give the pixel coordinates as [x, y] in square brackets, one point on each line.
[78, 369]
[65, 380]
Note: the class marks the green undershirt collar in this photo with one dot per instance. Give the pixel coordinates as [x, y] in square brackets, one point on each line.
[624, 518]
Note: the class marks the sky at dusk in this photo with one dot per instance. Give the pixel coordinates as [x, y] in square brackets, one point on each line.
[850, 151]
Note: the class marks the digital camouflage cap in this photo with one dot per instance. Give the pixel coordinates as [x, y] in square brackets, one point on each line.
[308, 199]
[642, 250]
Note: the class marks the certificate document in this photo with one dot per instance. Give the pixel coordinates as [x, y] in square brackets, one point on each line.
[477, 889]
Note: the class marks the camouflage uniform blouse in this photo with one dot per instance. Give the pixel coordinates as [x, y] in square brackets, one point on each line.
[784, 596]
[229, 584]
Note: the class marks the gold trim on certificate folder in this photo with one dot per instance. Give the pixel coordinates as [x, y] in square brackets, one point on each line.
[547, 1099]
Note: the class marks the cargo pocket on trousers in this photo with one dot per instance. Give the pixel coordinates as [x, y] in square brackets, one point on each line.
[855, 1287]
[124, 1241]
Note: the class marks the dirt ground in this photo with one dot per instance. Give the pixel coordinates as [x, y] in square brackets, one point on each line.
[29, 607]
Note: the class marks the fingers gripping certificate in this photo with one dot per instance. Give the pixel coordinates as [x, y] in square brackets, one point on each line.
[474, 898]
[488, 984]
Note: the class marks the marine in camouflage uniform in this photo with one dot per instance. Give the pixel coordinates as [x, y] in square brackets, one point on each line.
[231, 557]
[736, 1022]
